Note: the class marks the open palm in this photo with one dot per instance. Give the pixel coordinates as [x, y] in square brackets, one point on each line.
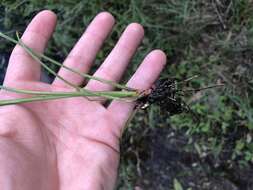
[70, 143]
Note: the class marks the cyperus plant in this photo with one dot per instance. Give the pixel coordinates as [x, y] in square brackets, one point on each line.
[167, 93]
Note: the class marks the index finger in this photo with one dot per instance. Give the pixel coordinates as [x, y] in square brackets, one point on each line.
[21, 65]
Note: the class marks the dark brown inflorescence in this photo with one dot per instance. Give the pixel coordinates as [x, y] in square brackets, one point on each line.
[165, 94]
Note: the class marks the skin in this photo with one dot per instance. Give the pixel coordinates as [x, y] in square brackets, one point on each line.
[71, 143]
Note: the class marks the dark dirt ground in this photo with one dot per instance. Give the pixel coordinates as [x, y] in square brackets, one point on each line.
[161, 155]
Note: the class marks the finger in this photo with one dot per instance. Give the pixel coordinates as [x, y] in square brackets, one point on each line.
[143, 78]
[21, 65]
[115, 64]
[84, 52]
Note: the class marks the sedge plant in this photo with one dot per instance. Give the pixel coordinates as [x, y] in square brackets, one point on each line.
[122, 92]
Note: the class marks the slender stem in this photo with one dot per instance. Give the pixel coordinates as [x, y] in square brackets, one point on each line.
[54, 96]
[31, 92]
[120, 94]
[8, 38]
[32, 99]
[31, 53]
[34, 55]
[120, 86]
[110, 94]
[64, 66]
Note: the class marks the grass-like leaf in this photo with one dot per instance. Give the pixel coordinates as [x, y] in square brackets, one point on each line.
[126, 93]
[38, 56]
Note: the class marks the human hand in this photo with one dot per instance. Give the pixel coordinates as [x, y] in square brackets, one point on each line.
[71, 143]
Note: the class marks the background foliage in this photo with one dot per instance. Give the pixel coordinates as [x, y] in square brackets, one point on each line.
[211, 38]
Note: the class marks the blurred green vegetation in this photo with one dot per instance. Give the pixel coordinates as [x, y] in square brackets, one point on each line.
[212, 38]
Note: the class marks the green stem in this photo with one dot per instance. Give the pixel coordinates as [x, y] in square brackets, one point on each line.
[120, 94]
[106, 94]
[64, 66]
[32, 99]
[112, 95]
[54, 96]
[120, 86]
[31, 53]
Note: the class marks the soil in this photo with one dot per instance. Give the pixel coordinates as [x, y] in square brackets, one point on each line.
[163, 157]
